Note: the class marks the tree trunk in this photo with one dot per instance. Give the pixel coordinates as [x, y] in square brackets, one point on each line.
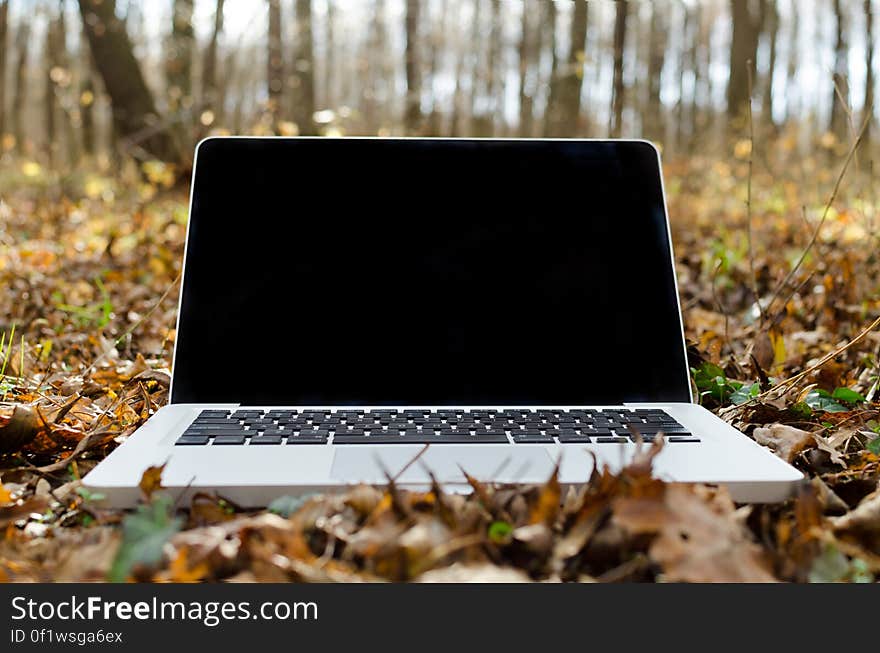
[274, 62]
[564, 110]
[682, 67]
[4, 29]
[525, 97]
[743, 52]
[209, 68]
[412, 112]
[56, 72]
[19, 91]
[868, 105]
[495, 79]
[771, 28]
[617, 85]
[179, 55]
[791, 107]
[458, 94]
[304, 70]
[329, 57]
[657, 44]
[375, 45]
[840, 90]
[87, 103]
[553, 93]
[134, 111]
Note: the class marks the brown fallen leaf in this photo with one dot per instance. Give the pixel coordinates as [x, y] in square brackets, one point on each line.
[823, 445]
[863, 520]
[208, 509]
[785, 441]
[19, 429]
[151, 480]
[547, 506]
[697, 537]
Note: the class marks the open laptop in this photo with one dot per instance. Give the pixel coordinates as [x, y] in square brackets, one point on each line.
[354, 309]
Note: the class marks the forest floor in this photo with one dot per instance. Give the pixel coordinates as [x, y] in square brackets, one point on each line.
[89, 264]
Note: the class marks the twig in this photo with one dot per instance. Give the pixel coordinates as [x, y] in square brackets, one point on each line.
[721, 307]
[752, 276]
[410, 463]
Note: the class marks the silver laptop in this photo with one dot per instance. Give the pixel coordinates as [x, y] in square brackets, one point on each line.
[359, 309]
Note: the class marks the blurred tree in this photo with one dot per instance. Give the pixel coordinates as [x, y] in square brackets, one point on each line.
[135, 118]
[54, 75]
[617, 87]
[563, 113]
[679, 134]
[494, 82]
[303, 77]
[330, 80]
[275, 62]
[371, 63]
[526, 47]
[179, 55]
[437, 41]
[770, 28]
[413, 109]
[461, 57]
[868, 104]
[87, 96]
[743, 54]
[19, 90]
[549, 28]
[209, 67]
[4, 29]
[658, 42]
[840, 104]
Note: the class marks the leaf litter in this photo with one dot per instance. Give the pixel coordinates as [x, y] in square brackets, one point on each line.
[790, 356]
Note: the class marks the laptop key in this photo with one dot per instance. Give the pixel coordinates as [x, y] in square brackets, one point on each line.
[228, 439]
[307, 439]
[192, 439]
[266, 439]
[531, 436]
[682, 438]
[572, 436]
[612, 440]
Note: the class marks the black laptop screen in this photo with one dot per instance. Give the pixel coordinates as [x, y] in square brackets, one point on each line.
[413, 272]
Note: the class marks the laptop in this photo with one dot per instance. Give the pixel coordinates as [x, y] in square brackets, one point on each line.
[359, 309]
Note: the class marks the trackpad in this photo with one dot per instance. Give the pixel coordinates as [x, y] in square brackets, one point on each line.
[372, 464]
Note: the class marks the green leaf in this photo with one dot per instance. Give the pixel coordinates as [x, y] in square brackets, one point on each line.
[745, 393]
[144, 533]
[288, 505]
[89, 496]
[801, 409]
[500, 531]
[874, 446]
[848, 396]
[821, 400]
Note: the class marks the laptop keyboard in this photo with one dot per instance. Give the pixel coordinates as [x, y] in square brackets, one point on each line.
[351, 427]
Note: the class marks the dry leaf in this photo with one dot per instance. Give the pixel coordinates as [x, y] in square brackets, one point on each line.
[786, 441]
[151, 480]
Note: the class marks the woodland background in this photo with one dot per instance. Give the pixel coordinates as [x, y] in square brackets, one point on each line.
[766, 115]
